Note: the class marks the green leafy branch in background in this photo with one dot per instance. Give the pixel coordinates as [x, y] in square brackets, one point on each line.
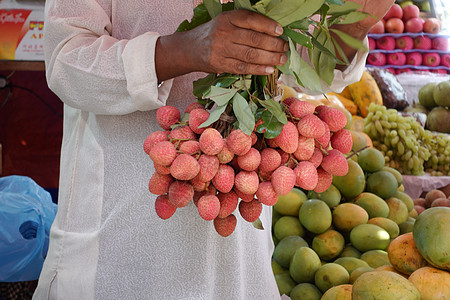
[306, 23]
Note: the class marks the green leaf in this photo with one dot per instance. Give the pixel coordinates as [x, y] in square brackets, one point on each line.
[300, 25]
[337, 2]
[349, 40]
[214, 7]
[226, 80]
[243, 114]
[298, 37]
[203, 85]
[352, 17]
[275, 108]
[201, 16]
[285, 69]
[243, 83]
[258, 224]
[347, 7]
[327, 64]
[244, 4]
[305, 74]
[221, 96]
[184, 117]
[214, 116]
[289, 11]
[270, 126]
[340, 52]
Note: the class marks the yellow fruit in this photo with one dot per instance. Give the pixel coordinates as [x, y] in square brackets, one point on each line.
[432, 283]
[364, 92]
[368, 139]
[342, 292]
[346, 93]
[404, 255]
[289, 204]
[347, 103]
[357, 123]
[359, 142]
[287, 225]
[352, 184]
[287, 91]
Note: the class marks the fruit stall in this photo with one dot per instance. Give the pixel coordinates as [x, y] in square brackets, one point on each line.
[358, 180]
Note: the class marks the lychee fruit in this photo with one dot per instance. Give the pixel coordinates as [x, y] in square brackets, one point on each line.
[342, 141]
[271, 143]
[289, 100]
[324, 180]
[181, 134]
[197, 117]
[224, 178]
[310, 126]
[323, 141]
[305, 148]
[247, 182]
[238, 142]
[208, 207]
[154, 138]
[316, 158]
[163, 207]
[250, 211]
[286, 159]
[160, 169]
[198, 184]
[335, 163]
[254, 138]
[209, 165]
[299, 108]
[184, 167]
[249, 161]
[159, 184]
[225, 226]
[270, 160]
[228, 203]
[266, 194]
[287, 140]
[193, 106]
[225, 155]
[166, 116]
[306, 175]
[163, 153]
[242, 196]
[211, 141]
[190, 147]
[180, 193]
[283, 180]
[334, 117]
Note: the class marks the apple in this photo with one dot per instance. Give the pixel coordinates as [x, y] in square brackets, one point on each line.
[414, 25]
[432, 25]
[414, 58]
[395, 11]
[386, 43]
[445, 60]
[372, 44]
[410, 11]
[403, 70]
[396, 59]
[404, 43]
[439, 71]
[431, 59]
[378, 28]
[422, 42]
[394, 25]
[376, 59]
[440, 43]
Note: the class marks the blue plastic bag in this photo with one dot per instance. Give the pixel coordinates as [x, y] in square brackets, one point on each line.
[26, 215]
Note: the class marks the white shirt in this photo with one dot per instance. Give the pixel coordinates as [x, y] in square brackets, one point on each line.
[107, 241]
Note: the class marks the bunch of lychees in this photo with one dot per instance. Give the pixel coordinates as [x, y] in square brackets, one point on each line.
[223, 173]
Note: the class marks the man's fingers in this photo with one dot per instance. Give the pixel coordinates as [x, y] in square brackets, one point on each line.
[235, 66]
[254, 55]
[260, 40]
[254, 21]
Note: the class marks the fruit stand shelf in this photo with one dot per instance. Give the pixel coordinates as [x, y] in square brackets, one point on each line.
[413, 35]
[418, 67]
[409, 51]
[21, 65]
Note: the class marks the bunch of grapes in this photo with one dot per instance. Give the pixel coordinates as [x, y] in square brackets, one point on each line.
[406, 145]
[225, 171]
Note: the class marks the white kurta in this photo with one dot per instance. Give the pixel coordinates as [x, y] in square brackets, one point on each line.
[107, 241]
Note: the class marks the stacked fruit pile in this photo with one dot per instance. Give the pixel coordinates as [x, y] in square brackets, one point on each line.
[403, 41]
[326, 241]
[197, 162]
[433, 198]
[434, 97]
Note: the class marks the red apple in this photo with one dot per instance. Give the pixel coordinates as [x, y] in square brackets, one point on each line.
[378, 28]
[422, 42]
[404, 43]
[432, 25]
[395, 11]
[414, 25]
[414, 58]
[396, 59]
[440, 43]
[403, 70]
[376, 59]
[386, 43]
[431, 59]
[410, 11]
[445, 60]
[394, 25]
[372, 44]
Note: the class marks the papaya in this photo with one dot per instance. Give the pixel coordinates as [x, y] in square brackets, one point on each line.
[346, 93]
[364, 92]
[432, 283]
[432, 238]
[347, 103]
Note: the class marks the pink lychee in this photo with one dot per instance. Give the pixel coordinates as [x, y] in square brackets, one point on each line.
[270, 160]
[342, 140]
[154, 138]
[287, 140]
[283, 180]
[166, 116]
[196, 118]
[249, 161]
[306, 175]
[334, 117]
[180, 193]
[238, 142]
[211, 141]
[266, 194]
[310, 126]
[163, 153]
[305, 148]
[159, 184]
[208, 207]
[209, 165]
[164, 208]
[247, 182]
[250, 211]
[228, 203]
[224, 178]
[335, 163]
[184, 167]
[225, 226]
